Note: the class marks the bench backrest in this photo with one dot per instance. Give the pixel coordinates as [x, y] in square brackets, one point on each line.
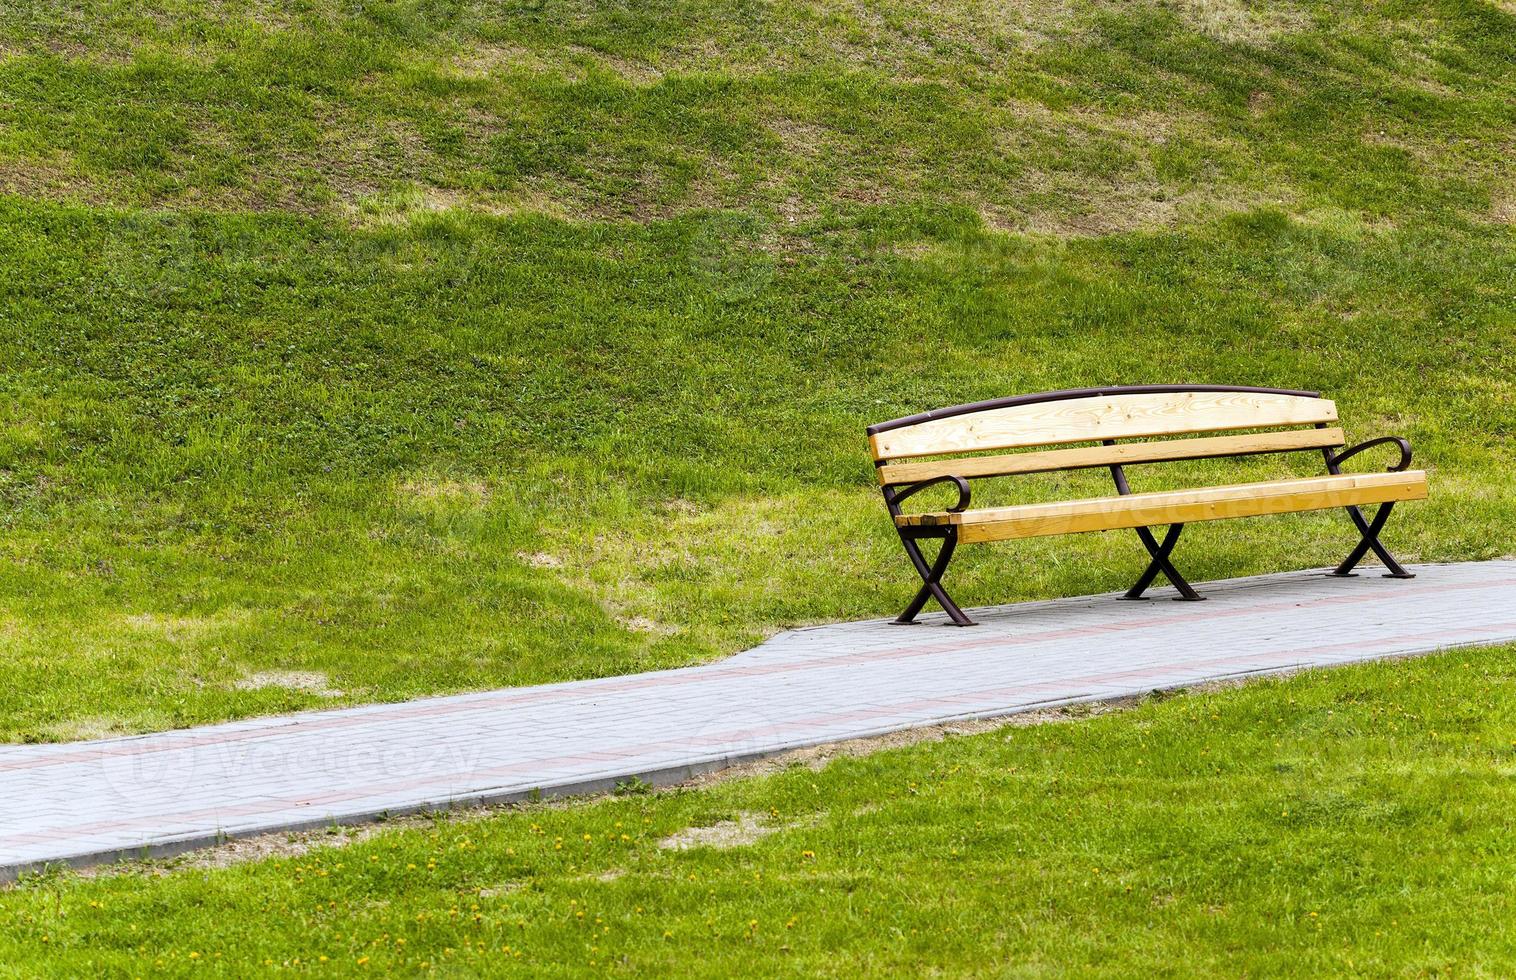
[1101, 415]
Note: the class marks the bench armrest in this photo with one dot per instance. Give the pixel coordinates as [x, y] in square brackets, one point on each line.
[1333, 461]
[893, 496]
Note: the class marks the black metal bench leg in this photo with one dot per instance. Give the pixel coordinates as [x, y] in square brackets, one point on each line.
[1369, 531]
[1161, 563]
[931, 581]
[1160, 552]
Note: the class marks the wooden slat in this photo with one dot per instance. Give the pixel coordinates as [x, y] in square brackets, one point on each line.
[1179, 506]
[1132, 452]
[1120, 416]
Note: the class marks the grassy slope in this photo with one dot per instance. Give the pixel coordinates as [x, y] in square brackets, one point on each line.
[1356, 821]
[424, 346]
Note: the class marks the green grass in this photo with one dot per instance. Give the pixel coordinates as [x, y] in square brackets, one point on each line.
[354, 353]
[1354, 821]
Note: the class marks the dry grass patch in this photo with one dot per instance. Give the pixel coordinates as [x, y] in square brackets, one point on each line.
[414, 202]
[53, 177]
[1241, 21]
[1503, 205]
[486, 59]
[1076, 207]
[805, 140]
[432, 490]
[636, 73]
[180, 629]
[1058, 196]
[918, 37]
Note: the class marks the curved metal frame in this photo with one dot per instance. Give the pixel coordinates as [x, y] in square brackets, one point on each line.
[931, 572]
[893, 497]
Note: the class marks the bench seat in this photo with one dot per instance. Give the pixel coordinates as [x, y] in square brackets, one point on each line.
[1175, 506]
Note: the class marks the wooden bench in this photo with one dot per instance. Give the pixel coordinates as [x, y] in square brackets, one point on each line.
[1121, 427]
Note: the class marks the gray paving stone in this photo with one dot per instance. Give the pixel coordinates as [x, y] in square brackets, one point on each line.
[165, 793]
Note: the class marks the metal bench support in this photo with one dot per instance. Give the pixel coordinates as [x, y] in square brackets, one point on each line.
[931, 573]
[1160, 563]
[1159, 551]
[931, 579]
[1369, 529]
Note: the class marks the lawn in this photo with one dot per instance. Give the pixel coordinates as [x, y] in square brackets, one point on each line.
[1352, 821]
[360, 352]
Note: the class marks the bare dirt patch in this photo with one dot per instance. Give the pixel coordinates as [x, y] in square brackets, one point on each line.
[244, 849]
[748, 828]
[642, 624]
[305, 681]
[87, 729]
[540, 559]
[725, 835]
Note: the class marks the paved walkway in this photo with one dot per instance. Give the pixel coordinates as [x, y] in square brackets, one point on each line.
[158, 794]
